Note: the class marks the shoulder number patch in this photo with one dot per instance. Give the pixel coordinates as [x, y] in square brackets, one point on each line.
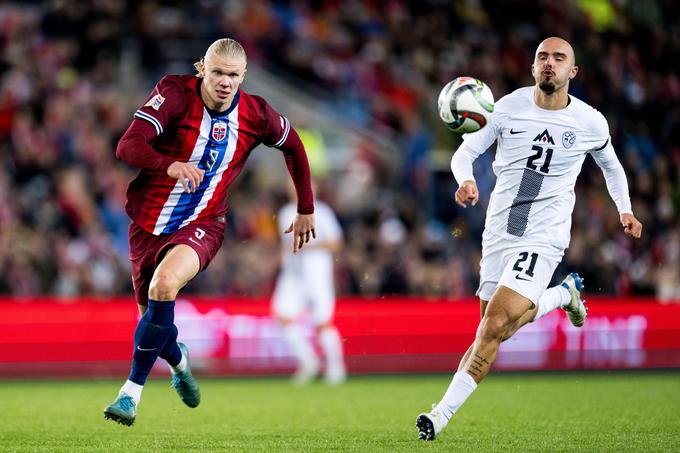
[155, 102]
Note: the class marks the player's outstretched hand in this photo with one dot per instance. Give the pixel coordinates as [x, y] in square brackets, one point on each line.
[303, 230]
[631, 226]
[188, 174]
[467, 192]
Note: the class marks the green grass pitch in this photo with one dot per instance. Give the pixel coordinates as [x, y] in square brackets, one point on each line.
[508, 412]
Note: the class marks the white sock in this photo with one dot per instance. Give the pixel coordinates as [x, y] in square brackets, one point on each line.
[133, 389]
[300, 345]
[331, 345]
[461, 387]
[181, 366]
[552, 298]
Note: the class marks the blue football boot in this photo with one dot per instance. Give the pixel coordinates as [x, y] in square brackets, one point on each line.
[185, 384]
[123, 410]
[576, 310]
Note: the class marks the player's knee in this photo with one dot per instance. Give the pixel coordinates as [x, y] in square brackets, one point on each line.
[164, 286]
[493, 328]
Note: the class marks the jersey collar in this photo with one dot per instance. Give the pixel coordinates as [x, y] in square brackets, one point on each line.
[214, 113]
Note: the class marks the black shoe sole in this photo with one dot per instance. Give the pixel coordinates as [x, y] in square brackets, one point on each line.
[425, 428]
[118, 419]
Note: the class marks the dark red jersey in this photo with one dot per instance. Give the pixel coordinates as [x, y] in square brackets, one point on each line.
[216, 142]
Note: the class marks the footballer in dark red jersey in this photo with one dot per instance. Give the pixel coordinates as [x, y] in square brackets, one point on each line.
[190, 139]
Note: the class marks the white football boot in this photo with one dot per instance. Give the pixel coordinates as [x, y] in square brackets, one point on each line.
[430, 424]
[576, 310]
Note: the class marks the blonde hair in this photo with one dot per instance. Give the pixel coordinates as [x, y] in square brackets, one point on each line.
[225, 47]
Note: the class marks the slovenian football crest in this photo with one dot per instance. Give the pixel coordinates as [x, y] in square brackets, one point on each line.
[568, 139]
[219, 131]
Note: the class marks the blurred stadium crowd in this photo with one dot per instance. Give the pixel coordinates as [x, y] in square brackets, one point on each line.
[67, 91]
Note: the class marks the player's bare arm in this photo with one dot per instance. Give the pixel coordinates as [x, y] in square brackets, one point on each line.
[467, 192]
[188, 174]
[631, 226]
[303, 229]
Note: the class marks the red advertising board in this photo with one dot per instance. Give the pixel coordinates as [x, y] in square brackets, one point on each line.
[93, 337]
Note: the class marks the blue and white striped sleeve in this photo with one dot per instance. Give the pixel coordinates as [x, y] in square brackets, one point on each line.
[147, 117]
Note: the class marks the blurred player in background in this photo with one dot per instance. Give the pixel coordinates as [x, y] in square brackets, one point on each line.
[543, 137]
[305, 283]
[191, 139]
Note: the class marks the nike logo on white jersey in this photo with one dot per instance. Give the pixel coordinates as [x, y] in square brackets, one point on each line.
[522, 278]
[145, 349]
[513, 132]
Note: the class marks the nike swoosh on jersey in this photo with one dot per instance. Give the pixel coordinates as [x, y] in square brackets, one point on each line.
[513, 132]
[521, 278]
[145, 349]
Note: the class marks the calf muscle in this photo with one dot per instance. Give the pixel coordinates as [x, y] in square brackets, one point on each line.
[501, 318]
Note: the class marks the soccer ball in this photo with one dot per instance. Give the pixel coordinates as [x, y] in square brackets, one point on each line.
[465, 104]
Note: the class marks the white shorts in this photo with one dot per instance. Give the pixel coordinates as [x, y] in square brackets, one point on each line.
[523, 267]
[293, 295]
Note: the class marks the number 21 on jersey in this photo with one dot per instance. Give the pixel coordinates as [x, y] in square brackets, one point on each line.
[545, 168]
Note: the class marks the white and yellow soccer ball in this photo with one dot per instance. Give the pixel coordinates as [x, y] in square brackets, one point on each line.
[465, 104]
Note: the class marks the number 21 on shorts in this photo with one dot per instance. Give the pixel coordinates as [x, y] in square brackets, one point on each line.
[522, 267]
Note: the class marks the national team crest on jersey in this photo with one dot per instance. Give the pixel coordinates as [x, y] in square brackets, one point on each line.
[219, 131]
[544, 137]
[568, 139]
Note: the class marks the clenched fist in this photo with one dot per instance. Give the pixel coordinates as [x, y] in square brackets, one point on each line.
[467, 192]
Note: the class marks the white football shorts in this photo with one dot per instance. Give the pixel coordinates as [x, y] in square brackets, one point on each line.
[523, 267]
[293, 295]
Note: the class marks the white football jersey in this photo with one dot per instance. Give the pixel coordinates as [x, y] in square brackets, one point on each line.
[306, 279]
[539, 155]
[311, 260]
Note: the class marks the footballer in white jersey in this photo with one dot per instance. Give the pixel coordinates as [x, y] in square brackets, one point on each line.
[306, 278]
[305, 285]
[539, 155]
[543, 135]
